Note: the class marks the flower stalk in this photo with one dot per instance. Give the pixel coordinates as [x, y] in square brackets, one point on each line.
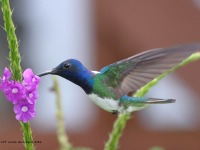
[14, 55]
[63, 140]
[62, 137]
[15, 67]
[120, 123]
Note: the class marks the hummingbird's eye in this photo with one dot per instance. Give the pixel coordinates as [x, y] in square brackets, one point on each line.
[67, 66]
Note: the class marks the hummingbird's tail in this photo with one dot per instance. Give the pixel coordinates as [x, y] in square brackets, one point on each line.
[128, 100]
[159, 101]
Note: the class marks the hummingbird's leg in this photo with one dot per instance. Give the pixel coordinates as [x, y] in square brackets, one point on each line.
[115, 112]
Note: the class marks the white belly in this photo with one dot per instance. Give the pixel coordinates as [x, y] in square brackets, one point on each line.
[107, 104]
[110, 104]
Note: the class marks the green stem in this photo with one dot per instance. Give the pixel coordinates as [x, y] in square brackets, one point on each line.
[14, 55]
[117, 131]
[119, 125]
[62, 138]
[15, 59]
[27, 135]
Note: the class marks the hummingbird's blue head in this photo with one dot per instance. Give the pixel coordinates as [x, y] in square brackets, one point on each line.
[74, 71]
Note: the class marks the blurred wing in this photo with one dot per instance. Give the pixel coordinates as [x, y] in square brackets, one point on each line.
[130, 74]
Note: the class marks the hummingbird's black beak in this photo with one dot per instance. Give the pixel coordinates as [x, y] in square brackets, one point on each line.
[47, 72]
[43, 74]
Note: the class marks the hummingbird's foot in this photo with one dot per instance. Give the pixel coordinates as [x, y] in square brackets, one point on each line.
[115, 112]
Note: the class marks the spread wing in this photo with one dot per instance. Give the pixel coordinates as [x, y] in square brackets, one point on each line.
[128, 75]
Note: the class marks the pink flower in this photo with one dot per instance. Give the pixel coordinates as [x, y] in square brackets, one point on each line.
[30, 81]
[22, 95]
[15, 92]
[7, 74]
[31, 96]
[24, 111]
[5, 79]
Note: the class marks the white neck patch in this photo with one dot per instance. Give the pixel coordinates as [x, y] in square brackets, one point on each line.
[95, 72]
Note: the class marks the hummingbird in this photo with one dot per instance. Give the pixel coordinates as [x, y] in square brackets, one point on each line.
[112, 87]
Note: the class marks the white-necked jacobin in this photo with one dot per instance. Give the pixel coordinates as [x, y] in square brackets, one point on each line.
[110, 88]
